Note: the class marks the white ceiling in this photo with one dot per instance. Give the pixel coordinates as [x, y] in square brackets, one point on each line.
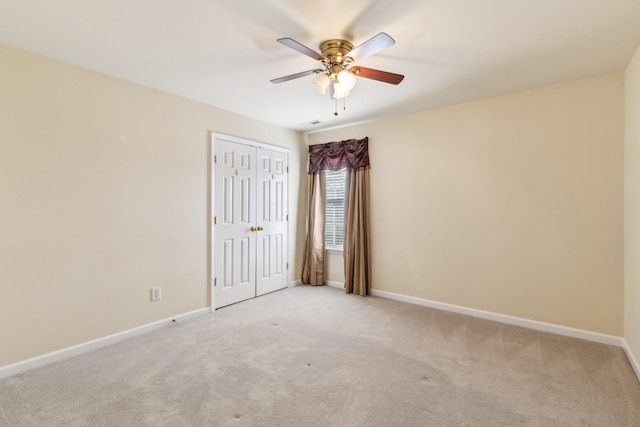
[224, 52]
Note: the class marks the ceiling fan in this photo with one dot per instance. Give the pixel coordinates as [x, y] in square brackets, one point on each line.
[337, 58]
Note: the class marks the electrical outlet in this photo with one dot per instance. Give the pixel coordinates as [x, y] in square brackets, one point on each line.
[156, 293]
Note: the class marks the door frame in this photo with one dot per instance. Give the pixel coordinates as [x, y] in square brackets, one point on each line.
[212, 200]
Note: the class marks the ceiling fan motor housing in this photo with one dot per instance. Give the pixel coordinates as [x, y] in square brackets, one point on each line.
[336, 50]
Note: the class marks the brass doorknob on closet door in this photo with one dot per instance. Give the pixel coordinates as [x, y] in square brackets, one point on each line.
[253, 228]
[260, 228]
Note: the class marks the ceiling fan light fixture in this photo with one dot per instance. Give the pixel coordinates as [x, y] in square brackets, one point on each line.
[321, 83]
[347, 80]
[339, 91]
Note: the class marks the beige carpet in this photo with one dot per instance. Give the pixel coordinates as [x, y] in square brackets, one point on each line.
[317, 357]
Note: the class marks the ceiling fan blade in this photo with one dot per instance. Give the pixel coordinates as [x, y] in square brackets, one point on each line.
[301, 48]
[371, 46]
[296, 76]
[382, 76]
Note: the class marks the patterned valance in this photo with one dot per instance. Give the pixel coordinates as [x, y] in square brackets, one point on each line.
[351, 153]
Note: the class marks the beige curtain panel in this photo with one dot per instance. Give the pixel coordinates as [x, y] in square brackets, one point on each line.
[356, 248]
[354, 155]
[313, 268]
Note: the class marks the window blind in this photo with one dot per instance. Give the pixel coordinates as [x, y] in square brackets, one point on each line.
[334, 222]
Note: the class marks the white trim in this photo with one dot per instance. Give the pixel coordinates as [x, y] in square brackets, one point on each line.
[58, 355]
[336, 285]
[211, 208]
[330, 284]
[511, 320]
[632, 359]
[216, 135]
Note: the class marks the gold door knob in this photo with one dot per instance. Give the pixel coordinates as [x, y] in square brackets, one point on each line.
[252, 228]
[260, 228]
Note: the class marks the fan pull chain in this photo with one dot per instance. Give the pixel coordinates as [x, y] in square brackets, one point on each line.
[344, 105]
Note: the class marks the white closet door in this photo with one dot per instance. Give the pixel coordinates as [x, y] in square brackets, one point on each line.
[272, 214]
[250, 230]
[234, 244]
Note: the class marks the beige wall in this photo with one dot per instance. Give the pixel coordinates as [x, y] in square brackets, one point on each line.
[104, 194]
[512, 205]
[335, 267]
[632, 206]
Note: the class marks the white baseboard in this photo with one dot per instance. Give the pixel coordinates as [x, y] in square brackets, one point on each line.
[502, 318]
[55, 356]
[295, 283]
[632, 359]
[328, 283]
[337, 285]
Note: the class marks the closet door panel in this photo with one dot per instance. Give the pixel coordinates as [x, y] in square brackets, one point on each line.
[234, 244]
[272, 221]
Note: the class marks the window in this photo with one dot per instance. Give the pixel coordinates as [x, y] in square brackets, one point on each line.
[334, 225]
